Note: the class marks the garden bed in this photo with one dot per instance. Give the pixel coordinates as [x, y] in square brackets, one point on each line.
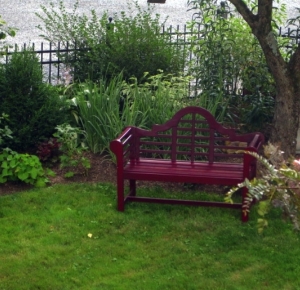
[102, 170]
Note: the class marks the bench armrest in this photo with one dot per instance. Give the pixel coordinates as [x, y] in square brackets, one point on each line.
[256, 142]
[250, 161]
[120, 146]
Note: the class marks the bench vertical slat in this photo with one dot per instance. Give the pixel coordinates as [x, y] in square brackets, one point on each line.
[193, 133]
[174, 144]
[211, 149]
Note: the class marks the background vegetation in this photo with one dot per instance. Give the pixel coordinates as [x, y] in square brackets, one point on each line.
[132, 44]
[132, 74]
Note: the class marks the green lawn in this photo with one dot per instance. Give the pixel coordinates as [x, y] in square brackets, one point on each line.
[72, 237]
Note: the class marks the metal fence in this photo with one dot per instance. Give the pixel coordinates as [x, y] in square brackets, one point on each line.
[54, 68]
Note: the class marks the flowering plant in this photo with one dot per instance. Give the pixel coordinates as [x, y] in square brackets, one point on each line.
[277, 186]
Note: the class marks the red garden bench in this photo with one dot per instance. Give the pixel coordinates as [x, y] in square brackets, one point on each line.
[192, 147]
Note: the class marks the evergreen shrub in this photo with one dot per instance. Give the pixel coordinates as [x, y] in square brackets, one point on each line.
[34, 108]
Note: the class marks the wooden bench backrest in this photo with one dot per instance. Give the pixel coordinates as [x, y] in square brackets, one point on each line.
[192, 134]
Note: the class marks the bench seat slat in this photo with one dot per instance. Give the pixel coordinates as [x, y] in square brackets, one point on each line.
[184, 171]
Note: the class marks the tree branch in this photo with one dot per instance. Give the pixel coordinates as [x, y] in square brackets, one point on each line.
[246, 13]
[265, 9]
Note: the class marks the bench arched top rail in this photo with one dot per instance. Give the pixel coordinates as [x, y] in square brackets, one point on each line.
[211, 121]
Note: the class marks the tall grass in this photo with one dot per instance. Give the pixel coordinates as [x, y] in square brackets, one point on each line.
[107, 107]
[104, 112]
[72, 237]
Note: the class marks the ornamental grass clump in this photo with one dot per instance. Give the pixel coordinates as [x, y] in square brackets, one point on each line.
[277, 187]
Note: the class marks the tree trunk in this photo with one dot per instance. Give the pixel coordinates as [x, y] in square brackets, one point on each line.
[286, 121]
[286, 115]
[286, 75]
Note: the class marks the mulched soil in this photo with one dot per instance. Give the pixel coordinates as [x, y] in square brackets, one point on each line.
[102, 170]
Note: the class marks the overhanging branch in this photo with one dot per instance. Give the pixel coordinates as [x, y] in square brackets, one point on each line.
[246, 13]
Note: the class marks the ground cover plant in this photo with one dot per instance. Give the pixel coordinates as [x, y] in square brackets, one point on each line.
[72, 237]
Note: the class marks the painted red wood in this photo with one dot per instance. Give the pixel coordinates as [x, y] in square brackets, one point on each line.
[192, 147]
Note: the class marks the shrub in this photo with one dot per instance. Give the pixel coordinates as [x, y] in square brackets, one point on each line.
[34, 108]
[133, 44]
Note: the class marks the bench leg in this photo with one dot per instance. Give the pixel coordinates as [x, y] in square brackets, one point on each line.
[132, 187]
[120, 195]
[245, 214]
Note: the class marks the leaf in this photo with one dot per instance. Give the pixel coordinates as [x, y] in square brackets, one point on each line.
[6, 172]
[228, 199]
[4, 164]
[3, 179]
[40, 182]
[23, 176]
[69, 174]
[33, 173]
[263, 207]
[12, 163]
[50, 172]
[261, 224]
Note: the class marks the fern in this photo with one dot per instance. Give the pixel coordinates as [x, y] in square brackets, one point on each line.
[279, 186]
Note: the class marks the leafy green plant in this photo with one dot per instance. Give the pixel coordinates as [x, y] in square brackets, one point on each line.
[277, 186]
[214, 67]
[48, 150]
[132, 43]
[72, 149]
[102, 110]
[22, 167]
[5, 132]
[4, 32]
[34, 108]
[256, 112]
